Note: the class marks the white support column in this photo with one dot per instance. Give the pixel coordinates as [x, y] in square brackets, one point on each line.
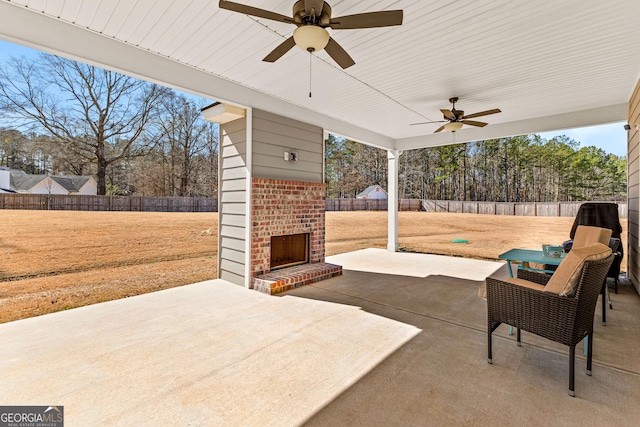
[248, 224]
[392, 206]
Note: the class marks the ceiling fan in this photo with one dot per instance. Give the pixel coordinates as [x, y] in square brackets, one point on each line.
[312, 17]
[454, 119]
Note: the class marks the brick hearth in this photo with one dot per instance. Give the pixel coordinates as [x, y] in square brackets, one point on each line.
[294, 277]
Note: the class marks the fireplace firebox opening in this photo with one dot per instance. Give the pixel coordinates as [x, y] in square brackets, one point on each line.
[289, 250]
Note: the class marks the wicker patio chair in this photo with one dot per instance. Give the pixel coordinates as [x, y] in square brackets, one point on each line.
[524, 304]
[603, 215]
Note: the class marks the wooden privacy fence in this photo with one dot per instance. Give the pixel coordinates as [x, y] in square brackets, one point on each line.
[107, 203]
[566, 209]
[370, 205]
[204, 204]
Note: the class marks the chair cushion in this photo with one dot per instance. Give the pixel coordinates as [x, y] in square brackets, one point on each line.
[565, 280]
[587, 235]
[525, 283]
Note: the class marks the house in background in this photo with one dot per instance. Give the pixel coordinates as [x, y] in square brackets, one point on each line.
[81, 185]
[373, 192]
[16, 181]
[5, 180]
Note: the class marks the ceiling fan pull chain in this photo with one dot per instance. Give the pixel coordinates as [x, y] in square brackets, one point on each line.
[310, 61]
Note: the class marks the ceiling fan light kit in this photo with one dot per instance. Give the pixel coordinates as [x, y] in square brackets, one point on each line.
[311, 38]
[453, 126]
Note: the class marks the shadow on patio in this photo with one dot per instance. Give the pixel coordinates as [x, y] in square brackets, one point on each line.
[362, 349]
[441, 376]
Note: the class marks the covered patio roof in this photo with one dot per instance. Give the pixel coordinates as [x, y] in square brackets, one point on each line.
[548, 65]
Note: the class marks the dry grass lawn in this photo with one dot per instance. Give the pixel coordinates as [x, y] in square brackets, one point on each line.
[56, 260]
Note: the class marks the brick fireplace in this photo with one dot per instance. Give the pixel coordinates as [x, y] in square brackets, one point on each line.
[271, 191]
[287, 208]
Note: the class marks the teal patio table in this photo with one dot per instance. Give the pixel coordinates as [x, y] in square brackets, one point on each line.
[528, 256]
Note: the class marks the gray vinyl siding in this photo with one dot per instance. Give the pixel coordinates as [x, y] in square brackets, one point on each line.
[233, 206]
[273, 135]
[633, 189]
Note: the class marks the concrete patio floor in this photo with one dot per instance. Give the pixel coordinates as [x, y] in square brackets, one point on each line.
[399, 339]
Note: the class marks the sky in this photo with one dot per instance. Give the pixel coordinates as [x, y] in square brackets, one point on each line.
[612, 138]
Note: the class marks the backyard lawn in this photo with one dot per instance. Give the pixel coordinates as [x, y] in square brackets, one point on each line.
[56, 260]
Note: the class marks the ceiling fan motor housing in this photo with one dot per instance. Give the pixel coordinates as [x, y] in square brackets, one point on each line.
[458, 113]
[302, 17]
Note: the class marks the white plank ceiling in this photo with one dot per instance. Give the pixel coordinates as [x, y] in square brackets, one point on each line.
[548, 64]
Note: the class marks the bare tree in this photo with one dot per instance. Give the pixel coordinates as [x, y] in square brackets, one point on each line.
[187, 139]
[99, 115]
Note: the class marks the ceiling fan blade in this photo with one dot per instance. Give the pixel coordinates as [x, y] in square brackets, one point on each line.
[339, 54]
[254, 11]
[316, 5]
[385, 18]
[440, 129]
[283, 48]
[448, 114]
[472, 123]
[427, 123]
[482, 113]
